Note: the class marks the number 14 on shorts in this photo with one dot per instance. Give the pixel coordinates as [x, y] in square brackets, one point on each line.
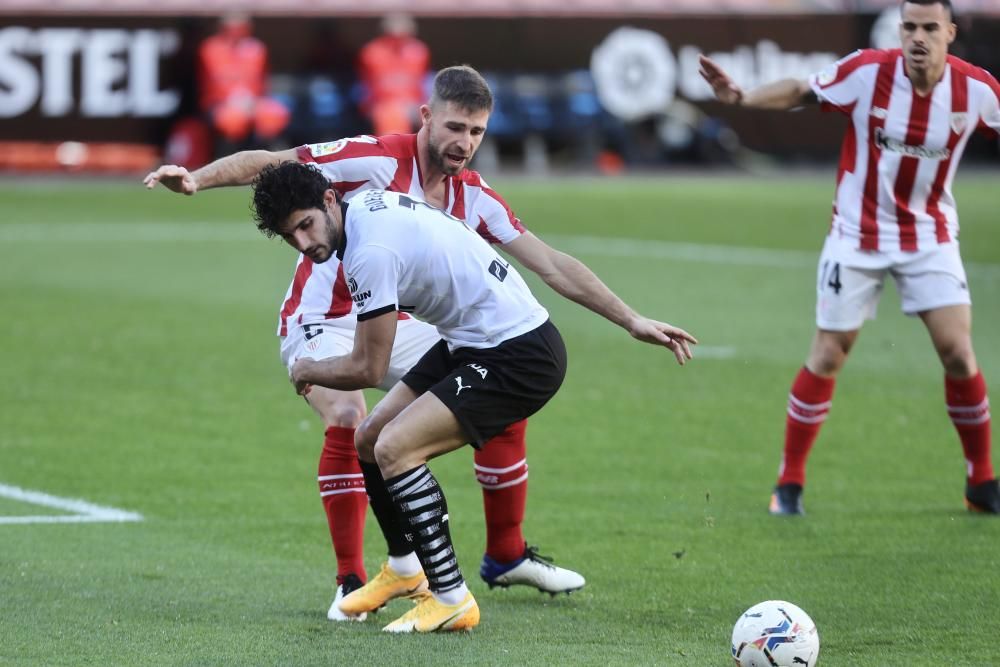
[829, 276]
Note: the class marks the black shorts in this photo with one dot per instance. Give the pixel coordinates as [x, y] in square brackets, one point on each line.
[490, 389]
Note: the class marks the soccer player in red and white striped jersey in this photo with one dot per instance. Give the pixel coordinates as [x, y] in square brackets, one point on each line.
[911, 112]
[317, 316]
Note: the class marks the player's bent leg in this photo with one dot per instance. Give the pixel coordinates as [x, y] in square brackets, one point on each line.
[809, 403]
[402, 575]
[502, 470]
[425, 429]
[342, 489]
[967, 402]
[395, 401]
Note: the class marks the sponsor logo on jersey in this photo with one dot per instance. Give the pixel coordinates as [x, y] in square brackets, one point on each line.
[358, 295]
[880, 113]
[498, 270]
[887, 143]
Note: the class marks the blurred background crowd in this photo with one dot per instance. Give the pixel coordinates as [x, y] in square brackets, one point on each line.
[596, 85]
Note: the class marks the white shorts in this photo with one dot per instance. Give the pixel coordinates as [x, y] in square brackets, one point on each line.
[849, 282]
[335, 338]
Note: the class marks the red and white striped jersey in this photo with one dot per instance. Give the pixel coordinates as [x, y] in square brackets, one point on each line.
[319, 291]
[901, 150]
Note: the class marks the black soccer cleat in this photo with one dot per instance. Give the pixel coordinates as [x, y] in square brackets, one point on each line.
[787, 500]
[984, 497]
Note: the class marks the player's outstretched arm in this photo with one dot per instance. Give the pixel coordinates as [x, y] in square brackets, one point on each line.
[780, 95]
[236, 169]
[572, 279]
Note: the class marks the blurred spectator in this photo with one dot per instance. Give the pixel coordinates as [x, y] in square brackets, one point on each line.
[393, 67]
[232, 80]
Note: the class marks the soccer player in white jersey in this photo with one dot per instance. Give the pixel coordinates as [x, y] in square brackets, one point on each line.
[499, 361]
[317, 316]
[911, 113]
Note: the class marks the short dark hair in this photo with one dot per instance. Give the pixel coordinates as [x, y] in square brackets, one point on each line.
[945, 3]
[463, 86]
[282, 188]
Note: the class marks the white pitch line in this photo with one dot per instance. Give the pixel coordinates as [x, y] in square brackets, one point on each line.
[713, 351]
[84, 512]
[202, 231]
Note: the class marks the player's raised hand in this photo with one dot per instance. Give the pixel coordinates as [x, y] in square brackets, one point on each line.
[673, 338]
[725, 89]
[173, 178]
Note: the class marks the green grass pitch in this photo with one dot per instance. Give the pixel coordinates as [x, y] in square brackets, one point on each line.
[140, 372]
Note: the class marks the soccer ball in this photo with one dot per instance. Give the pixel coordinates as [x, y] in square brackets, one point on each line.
[775, 634]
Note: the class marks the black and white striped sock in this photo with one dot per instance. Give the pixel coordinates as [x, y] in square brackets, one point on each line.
[424, 511]
[393, 529]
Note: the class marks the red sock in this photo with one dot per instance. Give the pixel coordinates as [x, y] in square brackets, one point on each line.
[969, 409]
[502, 470]
[808, 406]
[342, 490]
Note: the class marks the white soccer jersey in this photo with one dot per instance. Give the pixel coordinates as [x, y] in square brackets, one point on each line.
[402, 254]
[319, 291]
[901, 150]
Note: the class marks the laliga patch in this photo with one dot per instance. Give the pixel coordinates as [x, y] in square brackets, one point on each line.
[328, 147]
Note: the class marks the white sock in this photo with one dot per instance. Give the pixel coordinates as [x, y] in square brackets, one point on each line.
[453, 596]
[407, 565]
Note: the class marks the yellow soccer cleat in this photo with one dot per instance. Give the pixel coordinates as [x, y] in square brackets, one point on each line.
[386, 585]
[432, 615]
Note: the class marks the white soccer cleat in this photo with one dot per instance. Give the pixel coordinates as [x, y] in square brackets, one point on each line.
[351, 583]
[533, 570]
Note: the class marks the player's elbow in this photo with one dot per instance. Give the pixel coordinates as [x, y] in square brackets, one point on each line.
[370, 372]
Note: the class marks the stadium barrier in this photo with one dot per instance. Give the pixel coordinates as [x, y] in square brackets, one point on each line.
[126, 80]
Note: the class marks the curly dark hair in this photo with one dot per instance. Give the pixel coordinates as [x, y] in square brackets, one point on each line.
[280, 189]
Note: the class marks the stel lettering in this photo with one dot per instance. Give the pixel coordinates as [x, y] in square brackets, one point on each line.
[118, 72]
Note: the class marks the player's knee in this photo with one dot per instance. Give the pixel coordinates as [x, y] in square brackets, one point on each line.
[829, 353]
[957, 358]
[344, 415]
[365, 437]
[390, 448]
[827, 361]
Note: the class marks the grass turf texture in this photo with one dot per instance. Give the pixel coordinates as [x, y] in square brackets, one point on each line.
[141, 372]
